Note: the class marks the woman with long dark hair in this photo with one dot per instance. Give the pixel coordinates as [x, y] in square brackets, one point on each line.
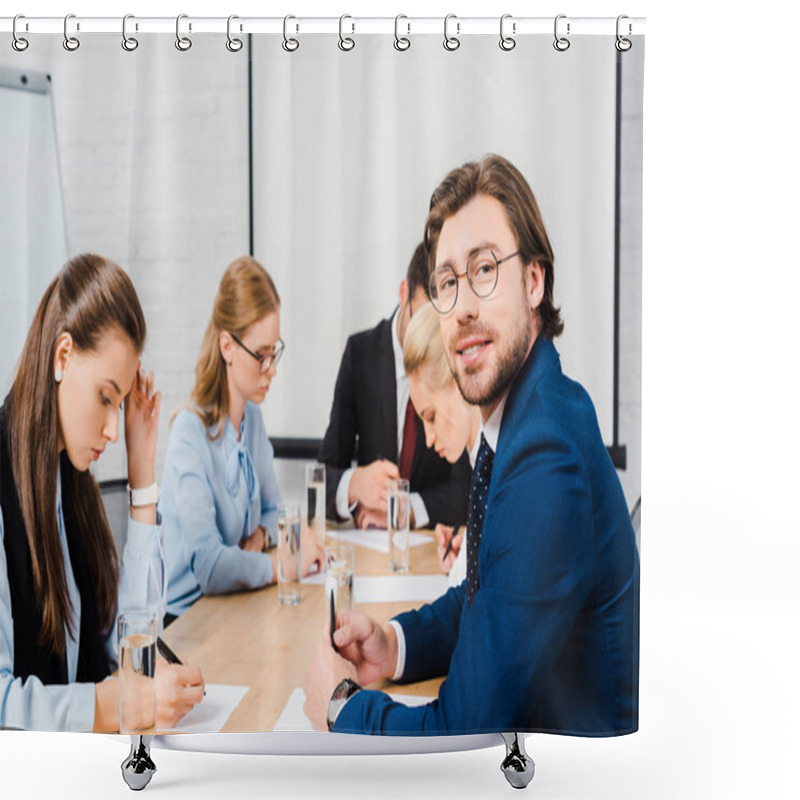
[59, 571]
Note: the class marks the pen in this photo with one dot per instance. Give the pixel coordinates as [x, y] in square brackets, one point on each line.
[449, 546]
[169, 655]
[333, 622]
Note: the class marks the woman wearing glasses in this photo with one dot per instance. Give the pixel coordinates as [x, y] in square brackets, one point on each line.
[220, 495]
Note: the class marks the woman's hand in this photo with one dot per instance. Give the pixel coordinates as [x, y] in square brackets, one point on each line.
[311, 553]
[444, 536]
[179, 688]
[142, 408]
[255, 542]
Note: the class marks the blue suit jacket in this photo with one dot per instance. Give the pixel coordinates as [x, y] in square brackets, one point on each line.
[550, 642]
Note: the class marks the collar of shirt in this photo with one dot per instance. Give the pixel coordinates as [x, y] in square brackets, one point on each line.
[473, 453]
[397, 348]
[491, 428]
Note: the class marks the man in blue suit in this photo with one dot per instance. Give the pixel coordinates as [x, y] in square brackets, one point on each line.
[543, 633]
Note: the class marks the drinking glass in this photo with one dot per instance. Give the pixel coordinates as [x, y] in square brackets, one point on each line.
[137, 671]
[398, 524]
[288, 555]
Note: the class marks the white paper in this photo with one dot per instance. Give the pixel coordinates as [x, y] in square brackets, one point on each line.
[375, 539]
[398, 588]
[318, 579]
[212, 713]
[293, 717]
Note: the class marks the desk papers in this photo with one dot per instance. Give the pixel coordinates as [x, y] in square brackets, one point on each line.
[212, 713]
[375, 539]
[398, 588]
[293, 718]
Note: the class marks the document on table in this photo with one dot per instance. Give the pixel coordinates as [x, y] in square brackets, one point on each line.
[398, 588]
[293, 717]
[375, 539]
[212, 713]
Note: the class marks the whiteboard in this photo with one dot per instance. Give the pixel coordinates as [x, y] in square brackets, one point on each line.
[33, 240]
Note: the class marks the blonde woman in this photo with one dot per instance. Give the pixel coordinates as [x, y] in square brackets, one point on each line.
[220, 496]
[451, 424]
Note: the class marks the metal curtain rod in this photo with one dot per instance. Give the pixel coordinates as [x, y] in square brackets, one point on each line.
[460, 26]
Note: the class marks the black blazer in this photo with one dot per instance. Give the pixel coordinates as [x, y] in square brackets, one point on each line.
[30, 657]
[365, 410]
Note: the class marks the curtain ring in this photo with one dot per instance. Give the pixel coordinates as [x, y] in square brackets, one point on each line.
[561, 43]
[346, 42]
[507, 42]
[70, 42]
[623, 44]
[233, 44]
[18, 42]
[401, 42]
[451, 42]
[289, 44]
[128, 42]
[183, 43]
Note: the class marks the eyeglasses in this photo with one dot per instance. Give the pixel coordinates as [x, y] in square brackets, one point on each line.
[269, 359]
[482, 271]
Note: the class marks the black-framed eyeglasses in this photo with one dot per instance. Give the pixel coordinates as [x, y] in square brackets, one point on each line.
[482, 271]
[267, 360]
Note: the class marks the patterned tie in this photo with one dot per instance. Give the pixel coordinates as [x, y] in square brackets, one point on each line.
[409, 441]
[478, 495]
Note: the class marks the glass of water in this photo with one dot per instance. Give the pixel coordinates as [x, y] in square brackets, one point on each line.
[315, 490]
[398, 513]
[289, 555]
[137, 671]
[339, 571]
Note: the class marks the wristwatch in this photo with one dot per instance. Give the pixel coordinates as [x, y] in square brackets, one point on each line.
[341, 694]
[147, 496]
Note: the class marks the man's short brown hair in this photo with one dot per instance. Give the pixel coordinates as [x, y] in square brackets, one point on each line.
[497, 177]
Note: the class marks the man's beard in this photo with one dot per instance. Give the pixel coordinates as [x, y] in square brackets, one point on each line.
[509, 364]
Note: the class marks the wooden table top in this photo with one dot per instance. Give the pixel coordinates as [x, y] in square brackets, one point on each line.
[249, 639]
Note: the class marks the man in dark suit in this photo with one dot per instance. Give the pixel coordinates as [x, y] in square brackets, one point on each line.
[543, 633]
[371, 406]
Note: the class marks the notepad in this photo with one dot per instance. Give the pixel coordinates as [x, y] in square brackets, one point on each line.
[213, 712]
[293, 717]
[398, 588]
[375, 539]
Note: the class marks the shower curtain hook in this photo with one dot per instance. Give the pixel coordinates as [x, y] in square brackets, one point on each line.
[183, 43]
[290, 44]
[451, 42]
[71, 43]
[507, 42]
[129, 43]
[561, 43]
[234, 45]
[18, 42]
[623, 44]
[401, 42]
[346, 42]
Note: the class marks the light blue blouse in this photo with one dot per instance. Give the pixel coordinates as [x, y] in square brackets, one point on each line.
[214, 494]
[32, 705]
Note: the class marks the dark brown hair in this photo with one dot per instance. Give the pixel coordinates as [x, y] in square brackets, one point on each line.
[246, 295]
[89, 296]
[417, 272]
[497, 177]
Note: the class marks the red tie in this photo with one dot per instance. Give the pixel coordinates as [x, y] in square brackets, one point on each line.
[409, 441]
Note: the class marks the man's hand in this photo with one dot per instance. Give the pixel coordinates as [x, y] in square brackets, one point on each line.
[370, 518]
[326, 672]
[368, 484]
[444, 534]
[370, 647]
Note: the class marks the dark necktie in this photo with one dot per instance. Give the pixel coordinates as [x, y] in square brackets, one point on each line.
[409, 441]
[478, 495]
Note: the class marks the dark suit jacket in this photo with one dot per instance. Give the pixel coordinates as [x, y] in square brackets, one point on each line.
[365, 409]
[550, 641]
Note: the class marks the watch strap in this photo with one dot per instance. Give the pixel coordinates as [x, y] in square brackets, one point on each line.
[149, 495]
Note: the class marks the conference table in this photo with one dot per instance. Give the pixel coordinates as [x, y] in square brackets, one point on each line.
[249, 639]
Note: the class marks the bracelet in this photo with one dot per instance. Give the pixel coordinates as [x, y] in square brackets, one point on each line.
[147, 496]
